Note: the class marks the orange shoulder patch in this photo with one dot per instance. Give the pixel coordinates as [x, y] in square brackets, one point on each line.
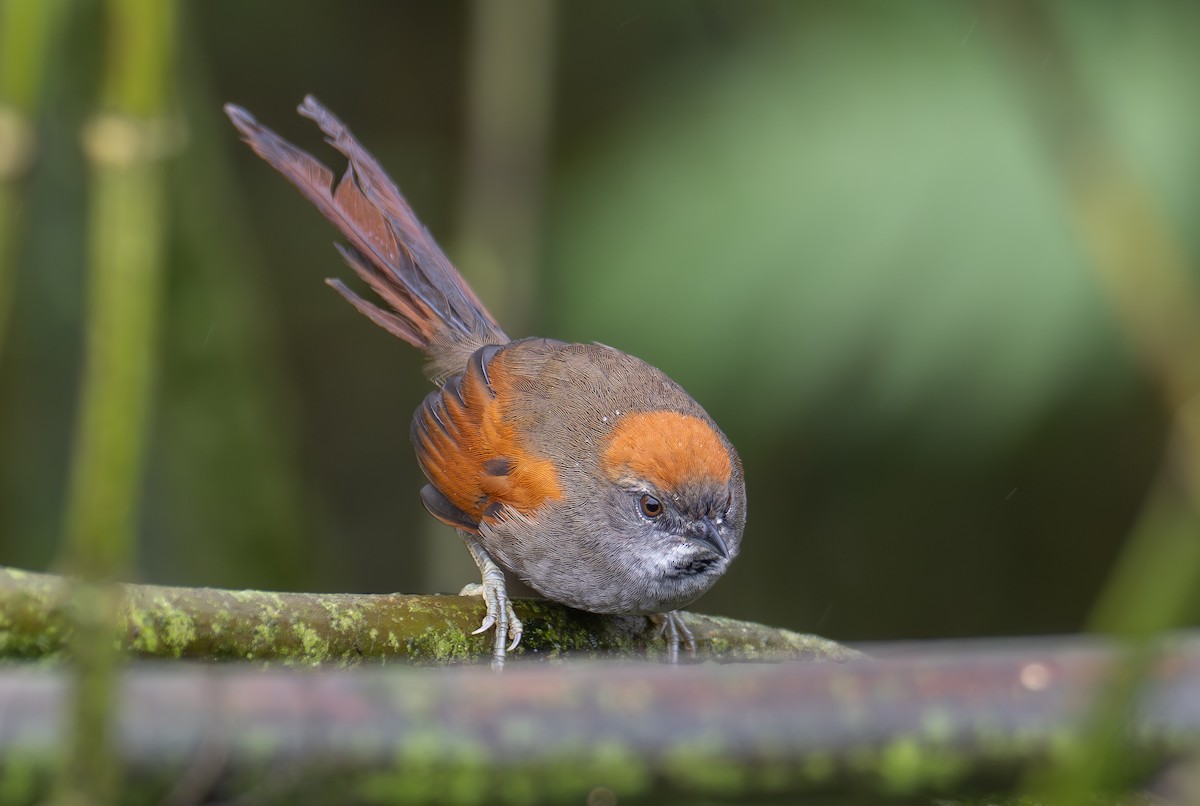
[667, 449]
[471, 454]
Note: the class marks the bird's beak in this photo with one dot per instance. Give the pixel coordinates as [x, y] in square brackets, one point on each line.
[709, 534]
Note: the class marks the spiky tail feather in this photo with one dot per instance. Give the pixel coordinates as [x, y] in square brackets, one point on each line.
[432, 307]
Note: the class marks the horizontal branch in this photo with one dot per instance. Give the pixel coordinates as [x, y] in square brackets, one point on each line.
[348, 629]
[933, 719]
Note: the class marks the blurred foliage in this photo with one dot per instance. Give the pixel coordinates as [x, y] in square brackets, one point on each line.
[816, 221]
[838, 226]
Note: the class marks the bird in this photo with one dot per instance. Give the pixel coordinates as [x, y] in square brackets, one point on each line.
[577, 468]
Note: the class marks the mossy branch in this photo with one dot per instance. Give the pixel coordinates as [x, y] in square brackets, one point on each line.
[348, 629]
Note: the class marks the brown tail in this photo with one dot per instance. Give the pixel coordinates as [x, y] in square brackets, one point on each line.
[432, 307]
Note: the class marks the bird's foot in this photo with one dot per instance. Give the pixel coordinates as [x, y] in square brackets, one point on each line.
[672, 629]
[500, 614]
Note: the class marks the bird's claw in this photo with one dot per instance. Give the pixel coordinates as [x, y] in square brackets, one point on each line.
[670, 626]
[500, 614]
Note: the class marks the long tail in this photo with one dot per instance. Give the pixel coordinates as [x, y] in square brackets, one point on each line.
[432, 307]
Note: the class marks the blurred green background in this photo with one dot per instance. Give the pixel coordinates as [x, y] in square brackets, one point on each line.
[843, 228]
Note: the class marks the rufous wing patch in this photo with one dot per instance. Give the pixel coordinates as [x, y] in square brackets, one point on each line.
[667, 449]
[472, 455]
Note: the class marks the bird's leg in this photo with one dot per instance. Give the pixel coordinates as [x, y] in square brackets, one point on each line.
[674, 631]
[500, 612]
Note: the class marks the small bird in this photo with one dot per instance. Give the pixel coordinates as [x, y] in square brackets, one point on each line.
[583, 471]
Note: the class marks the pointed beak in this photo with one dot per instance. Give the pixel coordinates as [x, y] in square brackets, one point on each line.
[709, 534]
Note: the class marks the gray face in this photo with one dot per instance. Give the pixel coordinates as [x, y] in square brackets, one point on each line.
[630, 550]
[685, 538]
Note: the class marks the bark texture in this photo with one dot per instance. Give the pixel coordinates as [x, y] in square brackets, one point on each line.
[349, 629]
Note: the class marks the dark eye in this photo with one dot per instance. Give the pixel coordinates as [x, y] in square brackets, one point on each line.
[651, 506]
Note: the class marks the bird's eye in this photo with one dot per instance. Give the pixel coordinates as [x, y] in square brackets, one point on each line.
[651, 506]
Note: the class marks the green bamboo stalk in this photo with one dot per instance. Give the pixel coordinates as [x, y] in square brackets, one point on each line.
[510, 97]
[10, 225]
[27, 29]
[125, 143]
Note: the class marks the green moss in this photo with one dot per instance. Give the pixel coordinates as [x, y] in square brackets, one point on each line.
[429, 769]
[1065, 747]
[177, 628]
[143, 635]
[269, 599]
[620, 769]
[698, 764]
[264, 636]
[313, 645]
[250, 597]
[342, 617]
[774, 777]
[818, 767]
[445, 645]
[384, 787]
[427, 784]
[567, 782]
[900, 763]
[431, 604]
[522, 785]
[467, 785]
[907, 765]
[216, 624]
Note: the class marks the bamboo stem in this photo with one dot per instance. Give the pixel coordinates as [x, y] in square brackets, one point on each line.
[124, 144]
[27, 34]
